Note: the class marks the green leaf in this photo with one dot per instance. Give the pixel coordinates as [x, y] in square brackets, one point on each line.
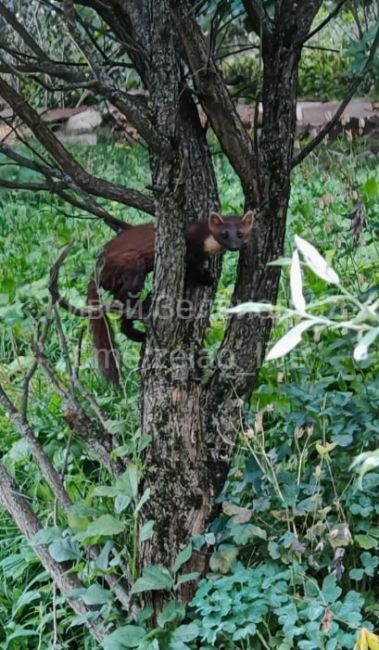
[104, 526]
[129, 636]
[147, 530]
[64, 549]
[102, 561]
[366, 541]
[132, 476]
[154, 577]
[182, 558]
[25, 599]
[172, 611]
[121, 502]
[47, 535]
[370, 187]
[143, 499]
[149, 644]
[330, 589]
[106, 491]
[183, 634]
[370, 562]
[222, 559]
[126, 484]
[356, 574]
[186, 577]
[94, 595]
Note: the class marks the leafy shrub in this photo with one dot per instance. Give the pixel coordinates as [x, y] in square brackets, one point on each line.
[290, 501]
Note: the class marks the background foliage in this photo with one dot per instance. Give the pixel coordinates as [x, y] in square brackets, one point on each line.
[290, 499]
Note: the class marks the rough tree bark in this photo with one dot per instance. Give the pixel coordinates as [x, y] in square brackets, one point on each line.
[188, 413]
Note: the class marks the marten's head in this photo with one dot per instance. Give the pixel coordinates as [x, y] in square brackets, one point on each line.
[231, 232]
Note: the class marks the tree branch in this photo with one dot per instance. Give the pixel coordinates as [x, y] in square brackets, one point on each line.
[77, 175]
[133, 108]
[82, 312]
[259, 18]
[48, 470]
[57, 187]
[323, 23]
[10, 19]
[329, 126]
[214, 97]
[18, 508]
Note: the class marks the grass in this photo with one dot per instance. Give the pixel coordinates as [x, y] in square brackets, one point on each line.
[293, 394]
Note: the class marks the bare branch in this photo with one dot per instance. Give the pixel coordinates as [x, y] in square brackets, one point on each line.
[83, 312]
[33, 187]
[11, 19]
[214, 97]
[329, 126]
[134, 108]
[323, 23]
[97, 439]
[18, 508]
[77, 175]
[48, 470]
[51, 184]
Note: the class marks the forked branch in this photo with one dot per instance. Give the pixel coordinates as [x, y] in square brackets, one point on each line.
[76, 174]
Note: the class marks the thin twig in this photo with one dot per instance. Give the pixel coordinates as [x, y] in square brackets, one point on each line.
[323, 23]
[329, 126]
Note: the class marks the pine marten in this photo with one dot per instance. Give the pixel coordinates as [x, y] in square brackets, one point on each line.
[129, 257]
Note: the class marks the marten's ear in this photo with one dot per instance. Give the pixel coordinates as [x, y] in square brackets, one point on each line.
[215, 220]
[248, 219]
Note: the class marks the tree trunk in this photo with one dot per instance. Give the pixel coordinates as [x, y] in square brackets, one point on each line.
[189, 412]
[190, 418]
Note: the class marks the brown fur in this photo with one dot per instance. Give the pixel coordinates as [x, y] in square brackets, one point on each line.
[129, 258]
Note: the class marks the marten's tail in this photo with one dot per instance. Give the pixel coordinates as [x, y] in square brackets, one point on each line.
[103, 339]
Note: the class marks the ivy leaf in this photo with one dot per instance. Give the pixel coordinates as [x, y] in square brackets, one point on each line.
[154, 577]
[238, 514]
[222, 559]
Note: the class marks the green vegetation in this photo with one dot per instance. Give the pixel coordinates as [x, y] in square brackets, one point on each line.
[290, 500]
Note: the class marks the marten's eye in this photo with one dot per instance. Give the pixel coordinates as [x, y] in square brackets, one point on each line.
[225, 234]
[239, 234]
